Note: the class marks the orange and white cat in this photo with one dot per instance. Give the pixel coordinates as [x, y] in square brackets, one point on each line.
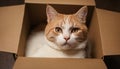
[65, 36]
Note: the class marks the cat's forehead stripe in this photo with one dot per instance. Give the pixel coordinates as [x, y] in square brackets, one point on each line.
[66, 21]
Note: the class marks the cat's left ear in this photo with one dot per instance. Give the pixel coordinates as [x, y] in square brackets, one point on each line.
[82, 13]
[51, 13]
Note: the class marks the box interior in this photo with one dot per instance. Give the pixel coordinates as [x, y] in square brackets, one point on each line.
[35, 14]
[36, 10]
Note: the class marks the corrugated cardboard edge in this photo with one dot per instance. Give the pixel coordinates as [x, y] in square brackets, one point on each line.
[11, 18]
[61, 63]
[69, 2]
[109, 24]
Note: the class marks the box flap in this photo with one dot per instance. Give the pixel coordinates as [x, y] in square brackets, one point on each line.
[71, 2]
[94, 37]
[11, 18]
[58, 63]
[109, 23]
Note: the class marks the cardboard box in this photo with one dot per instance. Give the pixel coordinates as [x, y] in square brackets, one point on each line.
[17, 21]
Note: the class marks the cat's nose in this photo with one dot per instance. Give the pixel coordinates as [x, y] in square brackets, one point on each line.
[66, 38]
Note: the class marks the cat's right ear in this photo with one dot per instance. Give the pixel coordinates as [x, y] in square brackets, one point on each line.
[51, 13]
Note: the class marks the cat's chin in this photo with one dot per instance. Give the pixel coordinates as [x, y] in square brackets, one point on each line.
[60, 47]
[66, 48]
[63, 47]
[73, 46]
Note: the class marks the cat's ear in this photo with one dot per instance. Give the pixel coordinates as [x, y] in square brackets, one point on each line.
[82, 13]
[51, 13]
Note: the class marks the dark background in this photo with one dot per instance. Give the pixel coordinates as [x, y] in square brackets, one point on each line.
[112, 62]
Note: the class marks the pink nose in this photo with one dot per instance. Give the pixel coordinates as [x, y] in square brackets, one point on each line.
[66, 38]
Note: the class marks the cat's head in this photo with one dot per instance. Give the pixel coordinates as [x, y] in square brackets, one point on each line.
[65, 31]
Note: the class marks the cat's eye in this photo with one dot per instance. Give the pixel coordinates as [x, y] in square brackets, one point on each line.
[58, 29]
[75, 30]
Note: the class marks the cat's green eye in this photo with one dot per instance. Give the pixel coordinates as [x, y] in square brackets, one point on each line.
[58, 29]
[75, 30]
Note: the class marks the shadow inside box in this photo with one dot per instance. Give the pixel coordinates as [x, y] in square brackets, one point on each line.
[112, 62]
[11, 2]
[6, 60]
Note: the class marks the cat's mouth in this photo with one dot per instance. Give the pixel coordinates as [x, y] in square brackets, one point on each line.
[68, 45]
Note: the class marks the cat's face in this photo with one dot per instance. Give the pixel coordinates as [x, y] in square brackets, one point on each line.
[66, 31]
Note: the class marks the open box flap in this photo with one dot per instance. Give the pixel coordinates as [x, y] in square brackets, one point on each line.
[11, 18]
[109, 24]
[59, 63]
[71, 2]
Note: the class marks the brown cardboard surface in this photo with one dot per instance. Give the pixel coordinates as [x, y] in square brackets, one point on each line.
[109, 23]
[48, 63]
[10, 27]
[71, 2]
[94, 37]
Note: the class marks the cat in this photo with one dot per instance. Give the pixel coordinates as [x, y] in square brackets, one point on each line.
[65, 36]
